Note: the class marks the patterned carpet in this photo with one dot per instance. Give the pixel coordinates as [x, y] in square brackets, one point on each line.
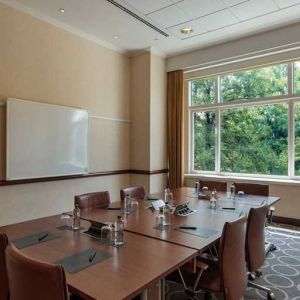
[281, 271]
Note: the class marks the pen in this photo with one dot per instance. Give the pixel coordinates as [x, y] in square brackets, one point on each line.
[231, 208]
[43, 236]
[92, 256]
[188, 227]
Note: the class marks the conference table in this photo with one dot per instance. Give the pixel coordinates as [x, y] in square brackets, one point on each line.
[133, 268]
[148, 255]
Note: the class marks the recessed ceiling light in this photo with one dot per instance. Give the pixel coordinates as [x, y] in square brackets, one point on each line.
[62, 10]
[116, 36]
[186, 30]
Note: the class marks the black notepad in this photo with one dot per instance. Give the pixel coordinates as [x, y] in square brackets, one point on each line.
[34, 239]
[81, 260]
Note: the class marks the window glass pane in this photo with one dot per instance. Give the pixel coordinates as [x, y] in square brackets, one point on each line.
[203, 91]
[297, 77]
[297, 139]
[256, 83]
[254, 140]
[204, 140]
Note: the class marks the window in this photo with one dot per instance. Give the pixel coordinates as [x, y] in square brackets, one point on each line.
[203, 91]
[247, 122]
[204, 140]
[256, 83]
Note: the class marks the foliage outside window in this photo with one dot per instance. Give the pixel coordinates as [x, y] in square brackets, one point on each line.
[247, 127]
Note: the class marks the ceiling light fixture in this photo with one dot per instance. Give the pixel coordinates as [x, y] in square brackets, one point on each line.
[116, 36]
[186, 30]
[62, 10]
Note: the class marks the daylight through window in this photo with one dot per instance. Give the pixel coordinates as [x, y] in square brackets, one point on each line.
[247, 122]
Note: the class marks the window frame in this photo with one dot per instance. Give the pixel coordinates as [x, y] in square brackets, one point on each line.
[290, 99]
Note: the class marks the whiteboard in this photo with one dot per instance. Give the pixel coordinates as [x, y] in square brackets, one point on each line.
[45, 140]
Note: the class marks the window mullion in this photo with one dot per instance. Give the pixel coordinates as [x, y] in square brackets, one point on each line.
[218, 142]
[291, 139]
[218, 133]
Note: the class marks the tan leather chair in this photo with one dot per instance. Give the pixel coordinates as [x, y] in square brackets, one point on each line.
[4, 290]
[255, 246]
[92, 200]
[252, 189]
[30, 279]
[256, 189]
[218, 185]
[137, 192]
[228, 275]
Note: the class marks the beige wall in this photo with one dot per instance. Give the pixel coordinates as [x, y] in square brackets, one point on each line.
[148, 115]
[140, 111]
[41, 62]
[158, 114]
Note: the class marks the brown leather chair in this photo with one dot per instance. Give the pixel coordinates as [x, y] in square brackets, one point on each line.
[218, 185]
[91, 200]
[34, 280]
[255, 246]
[4, 290]
[252, 189]
[137, 192]
[228, 275]
[256, 189]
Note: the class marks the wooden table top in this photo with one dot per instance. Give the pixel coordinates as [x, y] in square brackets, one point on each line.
[132, 267]
[142, 221]
[243, 203]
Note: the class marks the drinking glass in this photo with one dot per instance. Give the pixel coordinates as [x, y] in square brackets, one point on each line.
[160, 220]
[66, 220]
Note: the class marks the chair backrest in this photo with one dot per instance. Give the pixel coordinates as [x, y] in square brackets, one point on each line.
[34, 280]
[255, 238]
[4, 290]
[137, 192]
[253, 189]
[218, 185]
[232, 259]
[91, 200]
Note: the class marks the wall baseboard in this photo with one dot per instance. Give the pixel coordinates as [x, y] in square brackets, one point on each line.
[288, 221]
[95, 174]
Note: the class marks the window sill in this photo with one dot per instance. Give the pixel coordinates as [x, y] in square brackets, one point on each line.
[261, 180]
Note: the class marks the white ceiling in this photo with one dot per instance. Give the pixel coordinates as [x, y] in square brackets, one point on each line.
[213, 21]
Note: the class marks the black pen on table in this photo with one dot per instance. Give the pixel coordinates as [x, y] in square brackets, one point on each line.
[92, 256]
[43, 236]
[188, 227]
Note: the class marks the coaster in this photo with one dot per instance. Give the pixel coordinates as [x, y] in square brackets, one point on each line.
[161, 227]
[83, 260]
[34, 239]
[109, 243]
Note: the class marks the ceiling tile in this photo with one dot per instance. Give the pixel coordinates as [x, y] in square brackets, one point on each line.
[287, 3]
[148, 6]
[233, 2]
[197, 27]
[253, 8]
[198, 8]
[169, 16]
[217, 20]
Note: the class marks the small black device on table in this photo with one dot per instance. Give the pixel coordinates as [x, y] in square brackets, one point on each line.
[183, 210]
